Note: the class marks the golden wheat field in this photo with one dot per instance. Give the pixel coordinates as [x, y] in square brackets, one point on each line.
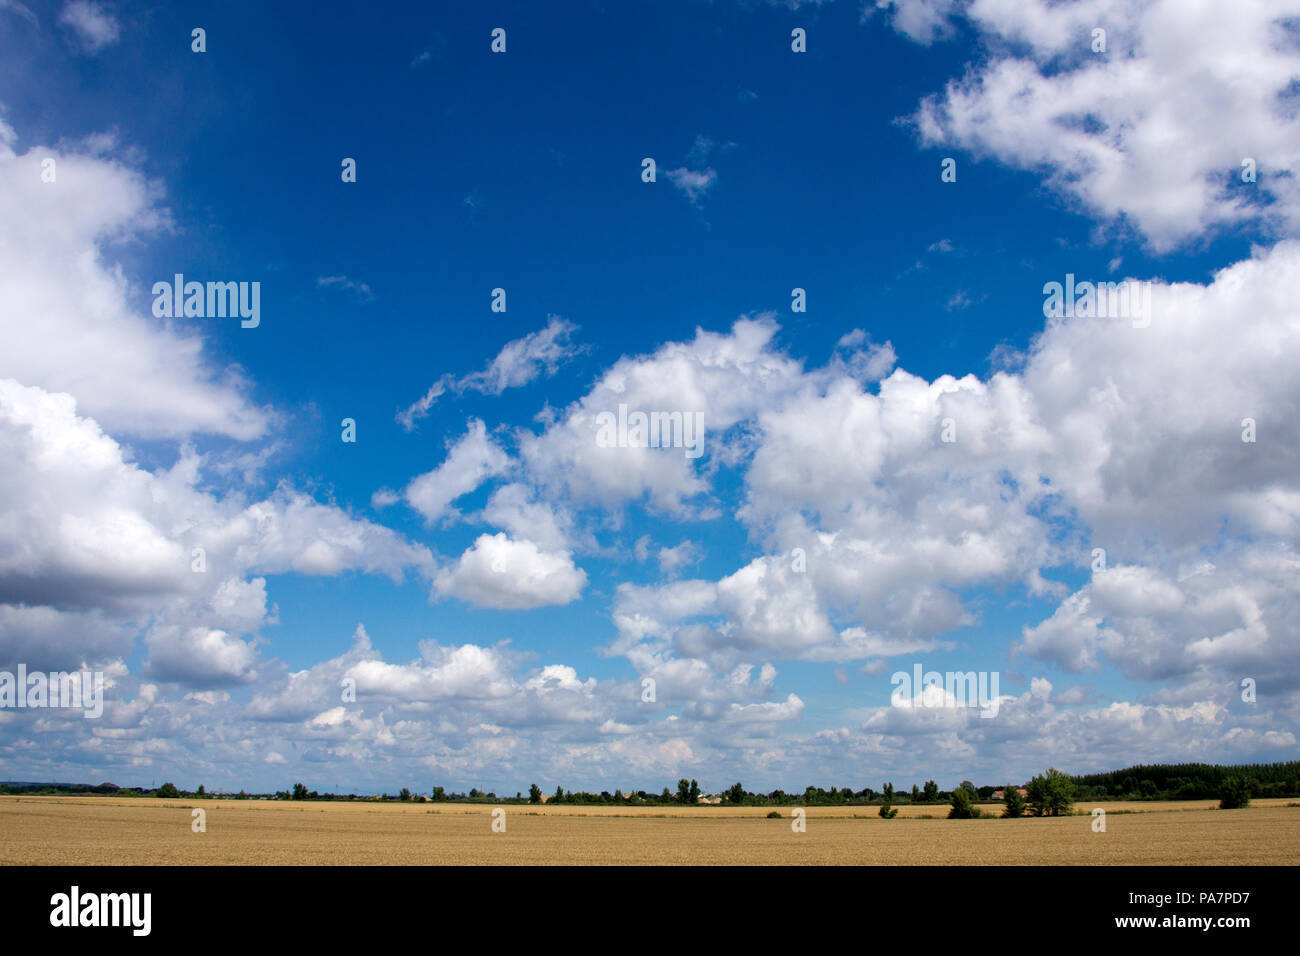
[93, 830]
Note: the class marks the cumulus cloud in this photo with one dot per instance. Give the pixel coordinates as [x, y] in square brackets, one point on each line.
[93, 546]
[1151, 133]
[516, 509]
[500, 572]
[672, 560]
[875, 526]
[465, 672]
[199, 656]
[474, 458]
[73, 322]
[728, 377]
[1156, 628]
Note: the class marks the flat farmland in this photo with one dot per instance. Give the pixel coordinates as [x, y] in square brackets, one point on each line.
[90, 831]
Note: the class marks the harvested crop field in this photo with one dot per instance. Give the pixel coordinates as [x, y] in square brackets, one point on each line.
[89, 831]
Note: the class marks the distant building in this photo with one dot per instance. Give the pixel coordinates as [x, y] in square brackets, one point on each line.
[998, 794]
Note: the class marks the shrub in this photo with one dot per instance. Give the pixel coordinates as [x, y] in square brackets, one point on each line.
[963, 805]
[774, 815]
[1235, 794]
[1013, 802]
[887, 811]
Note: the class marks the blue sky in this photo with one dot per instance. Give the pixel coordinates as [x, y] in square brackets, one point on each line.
[521, 170]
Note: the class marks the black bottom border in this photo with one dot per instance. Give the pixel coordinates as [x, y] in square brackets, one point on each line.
[333, 905]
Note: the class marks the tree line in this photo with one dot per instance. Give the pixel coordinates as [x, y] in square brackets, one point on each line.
[1190, 781]
[1233, 785]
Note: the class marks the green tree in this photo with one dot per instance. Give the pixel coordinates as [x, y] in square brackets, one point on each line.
[683, 791]
[168, 789]
[534, 793]
[201, 792]
[299, 791]
[736, 793]
[930, 791]
[1234, 794]
[963, 804]
[404, 795]
[916, 794]
[694, 792]
[438, 794]
[1036, 794]
[888, 793]
[559, 795]
[887, 811]
[1013, 802]
[1051, 795]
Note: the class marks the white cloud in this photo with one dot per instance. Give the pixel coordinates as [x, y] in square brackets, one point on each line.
[923, 20]
[1124, 133]
[500, 572]
[91, 25]
[1234, 622]
[1109, 435]
[519, 362]
[73, 323]
[461, 672]
[672, 560]
[859, 358]
[514, 508]
[1147, 422]
[729, 377]
[693, 183]
[524, 359]
[44, 638]
[470, 461]
[199, 656]
[92, 547]
[78, 517]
